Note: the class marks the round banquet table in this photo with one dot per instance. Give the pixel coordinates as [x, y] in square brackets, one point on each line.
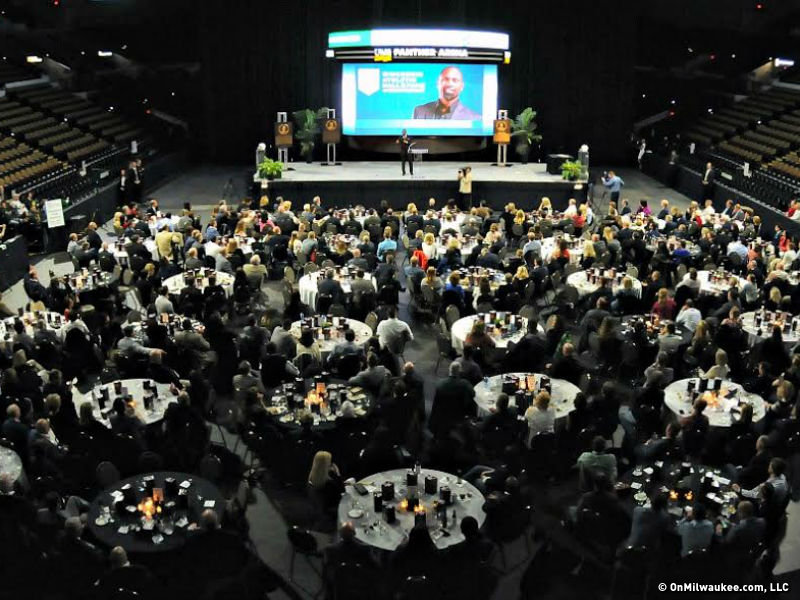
[362, 330]
[331, 240]
[121, 526]
[134, 388]
[373, 530]
[307, 285]
[678, 399]
[451, 220]
[718, 287]
[790, 337]
[10, 463]
[562, 397]
[580, 282]
[549, 245]
[465, 247]
[462, 327]
[84, 281]
[121, 254]
[286, 405]
[53, 321]
[174, 320]
[176, 283]
[676, 479]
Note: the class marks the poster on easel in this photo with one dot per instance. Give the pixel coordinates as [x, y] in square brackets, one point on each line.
[55, 213]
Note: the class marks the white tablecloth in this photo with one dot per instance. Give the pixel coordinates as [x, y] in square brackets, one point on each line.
[308, 286]
[550, 244]
[135, 388]
[562, 397]
[679, 401]
[706, 287]
[10, 463]
[462, 327]
[749, 325]
[363, 333]
[373, 530]
[580, 282]
[121, 254]
[28, 319]
[175, 283]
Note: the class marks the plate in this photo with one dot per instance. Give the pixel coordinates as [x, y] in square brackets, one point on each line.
[355, 513]
[287, 418]
[101, 521]
[640, 497]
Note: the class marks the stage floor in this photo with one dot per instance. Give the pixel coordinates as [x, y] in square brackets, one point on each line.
[425, 171]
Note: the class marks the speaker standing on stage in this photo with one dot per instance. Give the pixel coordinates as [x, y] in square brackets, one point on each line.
[465, 188]
[405, 144]
[614, 183]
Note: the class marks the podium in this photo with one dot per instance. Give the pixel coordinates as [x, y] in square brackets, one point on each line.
[416, 156]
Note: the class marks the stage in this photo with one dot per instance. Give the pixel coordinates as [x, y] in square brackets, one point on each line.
[368, 183]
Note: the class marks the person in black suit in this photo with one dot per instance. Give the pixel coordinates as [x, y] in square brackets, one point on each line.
[347, 551]
[405, 145]
[330, 287]
[747, 533]
[79, 562]
[567, 366]
[756, 471]
[452, 402]
[708, 182]
[123, 188]
[15, 431]
[123, 575]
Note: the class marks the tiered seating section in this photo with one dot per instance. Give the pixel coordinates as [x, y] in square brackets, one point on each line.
[21, 165]
[763, 130]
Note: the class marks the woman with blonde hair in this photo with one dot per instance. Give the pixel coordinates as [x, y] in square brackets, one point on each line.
[295, 244]
[541, 417]
[545, 206]
[366, 245]
[720, 369]
[773, 302]
[325, 481]
[521, 280]
[412, 209]
[664, 307]
[429, 248]
[589, 255]
[432, 281]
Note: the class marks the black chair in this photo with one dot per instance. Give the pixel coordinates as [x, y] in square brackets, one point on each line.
[631, 573]
[304, 544]
[348, 366]
[353, 581]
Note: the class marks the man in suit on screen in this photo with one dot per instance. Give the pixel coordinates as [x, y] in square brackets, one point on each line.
[448, 106]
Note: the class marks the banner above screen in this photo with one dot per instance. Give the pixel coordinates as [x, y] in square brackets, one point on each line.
[423, 98]
[405, 45]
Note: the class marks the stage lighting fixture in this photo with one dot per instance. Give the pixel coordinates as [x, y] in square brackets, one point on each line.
[33, 59]
[329, 53]
[104, 53]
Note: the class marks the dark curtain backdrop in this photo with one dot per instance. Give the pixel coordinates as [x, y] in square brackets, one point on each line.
[572, 61]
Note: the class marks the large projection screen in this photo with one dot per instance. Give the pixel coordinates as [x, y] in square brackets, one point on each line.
[424, 98]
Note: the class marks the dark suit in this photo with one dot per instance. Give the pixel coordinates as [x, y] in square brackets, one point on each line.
[452, 402]
[746, 534]
[436, 110]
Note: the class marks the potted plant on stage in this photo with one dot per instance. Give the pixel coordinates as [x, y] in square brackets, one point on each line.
[307, 121]
[270, 169]
[524, 127]
[571, 170]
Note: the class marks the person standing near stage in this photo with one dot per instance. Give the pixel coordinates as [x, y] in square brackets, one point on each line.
[465, 188]
[613, 183]
[405, 144]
